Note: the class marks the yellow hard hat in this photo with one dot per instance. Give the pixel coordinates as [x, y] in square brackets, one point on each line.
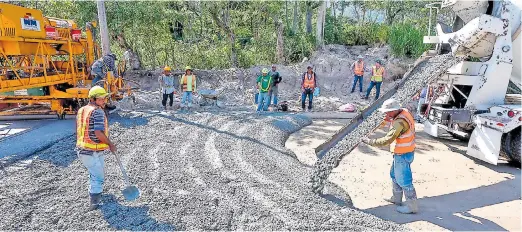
[265, 70]
[188, 68]
[167, 68]
[97, 92]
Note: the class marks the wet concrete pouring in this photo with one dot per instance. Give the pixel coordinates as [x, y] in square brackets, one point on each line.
[425, 71]
[196, 171]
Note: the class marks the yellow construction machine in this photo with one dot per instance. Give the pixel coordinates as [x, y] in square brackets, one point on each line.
[45, 64]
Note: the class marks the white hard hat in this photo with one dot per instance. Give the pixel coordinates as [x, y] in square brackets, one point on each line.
[389, 105]
[360, 57]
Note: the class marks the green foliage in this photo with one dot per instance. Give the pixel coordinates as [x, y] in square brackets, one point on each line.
[146, 28]
[406, 40]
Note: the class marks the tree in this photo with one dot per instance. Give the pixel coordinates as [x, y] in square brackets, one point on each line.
[223, 22]
[321, 14]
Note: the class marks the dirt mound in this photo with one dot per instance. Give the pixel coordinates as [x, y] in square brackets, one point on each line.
[332, 65]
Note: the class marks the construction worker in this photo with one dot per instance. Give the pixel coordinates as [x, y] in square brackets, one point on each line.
[358, 68]
[264, 84]
[92, 132]
[376, 80]
[402, 138]
[188, 87]
[101, 67]
[274, 90]
[308, 84]
[166, 80]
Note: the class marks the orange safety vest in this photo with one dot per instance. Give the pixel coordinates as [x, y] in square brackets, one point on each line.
[406, 141]
[185, 84]
[82, 130]
[309, 83]
[377, 74]
[359, 68]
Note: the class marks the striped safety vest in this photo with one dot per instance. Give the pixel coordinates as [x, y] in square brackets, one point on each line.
[406, 141]
[188, 86]
[377, 74]
[309, 83]
[82, 130]
[359, 68]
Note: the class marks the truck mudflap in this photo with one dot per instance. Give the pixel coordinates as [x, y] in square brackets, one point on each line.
[484, 144]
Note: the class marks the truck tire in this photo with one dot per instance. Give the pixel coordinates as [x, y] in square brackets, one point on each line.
[505, 146]
[515, 143]
[459, 137]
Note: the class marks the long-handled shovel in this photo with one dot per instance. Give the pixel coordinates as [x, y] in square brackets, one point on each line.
[130, 192]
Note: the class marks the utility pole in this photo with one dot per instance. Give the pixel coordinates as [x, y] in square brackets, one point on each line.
[104, 32]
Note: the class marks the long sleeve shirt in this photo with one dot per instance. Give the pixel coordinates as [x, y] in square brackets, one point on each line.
[167, 83]
[103, 65]
[398, 127]
[276, 78]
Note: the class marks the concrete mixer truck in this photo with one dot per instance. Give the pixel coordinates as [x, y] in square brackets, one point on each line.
[478, 99]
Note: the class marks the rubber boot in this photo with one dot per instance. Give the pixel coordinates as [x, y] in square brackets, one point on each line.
[95, 200]
[410, 205]
[397, 194]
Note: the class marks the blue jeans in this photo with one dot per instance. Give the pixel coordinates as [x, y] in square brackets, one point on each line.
[97, 78]
[256, 96]
[187, 97]
[95, 166]
[377, 86]
[263, 101]
[400, 172]
[274, 91]
[356, 79]
[310, 95]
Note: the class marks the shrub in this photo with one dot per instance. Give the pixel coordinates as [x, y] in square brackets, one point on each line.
[406, 40]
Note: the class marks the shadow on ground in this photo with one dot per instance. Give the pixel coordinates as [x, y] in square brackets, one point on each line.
[137, 218]
[451, 211]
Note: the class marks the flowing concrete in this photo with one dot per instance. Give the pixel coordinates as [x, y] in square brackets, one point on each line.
[455, 192]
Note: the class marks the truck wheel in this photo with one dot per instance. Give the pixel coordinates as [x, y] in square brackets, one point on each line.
[505, 146]
[460, 138]
[515, 147]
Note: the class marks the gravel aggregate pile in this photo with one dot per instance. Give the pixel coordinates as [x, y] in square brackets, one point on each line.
[425, 71]
[197, 171]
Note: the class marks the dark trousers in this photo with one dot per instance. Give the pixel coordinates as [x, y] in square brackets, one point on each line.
[310, 94]
[377, 87]
[170, 96]
[355, 80]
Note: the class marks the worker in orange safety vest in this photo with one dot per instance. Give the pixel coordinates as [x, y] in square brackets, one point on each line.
[308, 85]
[358, 68]
[401, 137]
[92, 141]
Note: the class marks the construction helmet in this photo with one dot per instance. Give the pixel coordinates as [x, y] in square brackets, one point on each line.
[390, 105]
[167, 68]
[265, 70]
[188, 68]
[97, 92]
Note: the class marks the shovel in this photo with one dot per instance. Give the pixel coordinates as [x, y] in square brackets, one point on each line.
[130, 192]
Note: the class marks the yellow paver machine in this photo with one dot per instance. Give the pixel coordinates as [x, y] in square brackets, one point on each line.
[45, 64]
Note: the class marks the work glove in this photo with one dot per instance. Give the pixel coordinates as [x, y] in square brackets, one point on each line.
[365, 140]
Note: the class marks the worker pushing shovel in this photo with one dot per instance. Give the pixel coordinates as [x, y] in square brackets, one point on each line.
[92, 141]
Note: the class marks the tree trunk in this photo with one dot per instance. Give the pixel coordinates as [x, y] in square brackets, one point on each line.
[294, 25]
[320, 24]
[131, 57]
[230, 34]
[308, 17]
[280, 51]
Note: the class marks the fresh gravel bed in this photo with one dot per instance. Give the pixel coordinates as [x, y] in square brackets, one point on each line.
[220, 171]
[424, 72]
